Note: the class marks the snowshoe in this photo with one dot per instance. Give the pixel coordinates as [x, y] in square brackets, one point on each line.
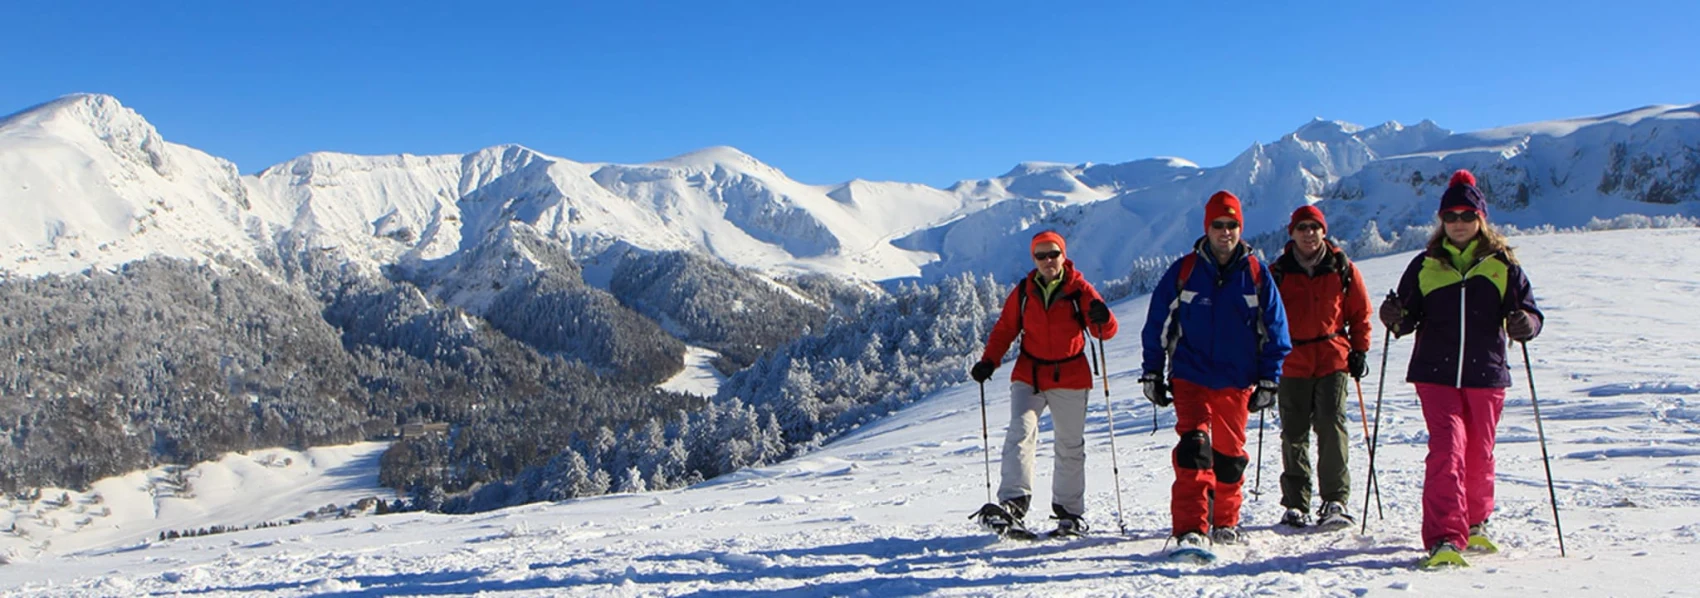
[1227, 536]
[1333, 516]
[1444, 555]
[1000, 521]
[1479, 541]
[1296, 519]
[1191, 547]
[1069, 525]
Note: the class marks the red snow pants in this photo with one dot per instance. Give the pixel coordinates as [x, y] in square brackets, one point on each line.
[1210, 459]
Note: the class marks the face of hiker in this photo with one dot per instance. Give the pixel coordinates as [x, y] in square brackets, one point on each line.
[1048, 258]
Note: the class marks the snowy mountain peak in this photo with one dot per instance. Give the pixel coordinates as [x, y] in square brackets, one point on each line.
[1170, 162]
[1319, 129]
[96, 111]
[709, 159]
[94, 117]
[1038, 167]
[89, 182]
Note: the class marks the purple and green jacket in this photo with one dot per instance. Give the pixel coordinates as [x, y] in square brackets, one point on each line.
[1456, 302]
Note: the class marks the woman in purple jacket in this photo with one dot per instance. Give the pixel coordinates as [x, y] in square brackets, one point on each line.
[1462, 297]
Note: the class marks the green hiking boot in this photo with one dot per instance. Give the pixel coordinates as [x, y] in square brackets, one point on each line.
[1479, 540]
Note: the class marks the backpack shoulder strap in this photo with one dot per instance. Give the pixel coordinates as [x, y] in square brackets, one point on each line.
[1079, 314]
[1190, 260]
[1187, 263]
[1345, 275]
[1021, 305]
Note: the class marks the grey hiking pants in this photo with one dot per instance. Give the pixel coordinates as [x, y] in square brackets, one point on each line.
[1068, 428]
[1317, 404]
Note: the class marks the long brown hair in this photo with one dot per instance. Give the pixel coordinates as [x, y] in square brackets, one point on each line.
[1488, 241]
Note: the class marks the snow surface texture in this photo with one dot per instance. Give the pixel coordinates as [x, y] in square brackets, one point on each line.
[242, 489]
[883, 511]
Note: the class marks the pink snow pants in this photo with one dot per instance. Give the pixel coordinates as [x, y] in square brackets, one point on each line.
[1458, 481]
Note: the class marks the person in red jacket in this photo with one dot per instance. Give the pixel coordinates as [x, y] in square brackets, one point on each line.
[1328, 320]
[1050, 309]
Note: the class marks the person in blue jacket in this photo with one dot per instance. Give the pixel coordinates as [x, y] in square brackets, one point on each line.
[1217, 323]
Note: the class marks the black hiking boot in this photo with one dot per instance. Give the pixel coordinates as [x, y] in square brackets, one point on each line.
[1068, 524]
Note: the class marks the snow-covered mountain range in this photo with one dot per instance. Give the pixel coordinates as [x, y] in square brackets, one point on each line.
[85, 182]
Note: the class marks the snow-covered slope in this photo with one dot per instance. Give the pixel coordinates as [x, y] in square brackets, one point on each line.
[884, 510]
[240, 490]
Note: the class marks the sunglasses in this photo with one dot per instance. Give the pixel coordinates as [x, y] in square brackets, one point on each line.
[1224, 224]
[1451, 217]
[1305, 227]
[1046, 255]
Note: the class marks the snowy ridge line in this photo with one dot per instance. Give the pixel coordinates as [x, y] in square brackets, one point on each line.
[98, 186]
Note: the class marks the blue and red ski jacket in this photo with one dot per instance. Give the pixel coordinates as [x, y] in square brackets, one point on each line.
[1222, 327]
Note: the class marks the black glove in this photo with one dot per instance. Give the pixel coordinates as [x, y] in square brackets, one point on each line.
[1263, 397]
[982, 371]
[1098, 313]
[1391, 313]
[1155, 390]
[1520, 326]
[1357, 364]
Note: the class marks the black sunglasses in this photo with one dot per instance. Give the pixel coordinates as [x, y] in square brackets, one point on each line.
[1046, 255]
[1450, 217]
[1224, 224]
[1304, 227]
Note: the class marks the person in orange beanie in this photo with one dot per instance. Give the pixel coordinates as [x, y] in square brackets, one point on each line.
[1051, 310]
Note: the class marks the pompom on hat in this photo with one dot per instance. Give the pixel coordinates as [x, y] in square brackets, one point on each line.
[1462, 195]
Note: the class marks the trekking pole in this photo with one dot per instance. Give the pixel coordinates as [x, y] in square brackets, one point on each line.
[985, 442]
[1363, 418]
[1110, 414]
[1545, 461]
[1374, 436]
[1257, 486]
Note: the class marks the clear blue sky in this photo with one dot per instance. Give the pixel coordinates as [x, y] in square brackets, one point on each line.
[919, 91]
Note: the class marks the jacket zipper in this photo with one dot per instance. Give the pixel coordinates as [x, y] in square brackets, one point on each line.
[1461, 329]
[1463, 315]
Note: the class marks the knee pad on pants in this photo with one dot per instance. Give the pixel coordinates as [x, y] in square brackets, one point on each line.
[1193, 451]
[1230, 470]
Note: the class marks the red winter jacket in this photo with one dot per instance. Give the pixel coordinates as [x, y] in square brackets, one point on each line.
[1051, 344]
[1324, 325]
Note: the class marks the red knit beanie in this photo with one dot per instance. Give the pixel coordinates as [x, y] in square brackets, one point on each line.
[1049, 236]
[1307, 212]
[1222, 204]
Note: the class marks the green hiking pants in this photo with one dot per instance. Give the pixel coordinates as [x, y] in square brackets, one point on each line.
[1317, 404]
